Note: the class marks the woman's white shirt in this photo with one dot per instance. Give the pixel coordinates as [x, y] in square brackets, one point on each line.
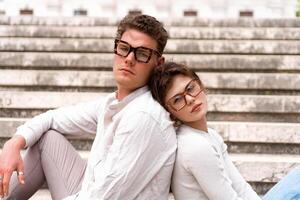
[203, 169]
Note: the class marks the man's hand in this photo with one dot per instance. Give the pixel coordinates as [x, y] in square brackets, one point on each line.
[10, 161]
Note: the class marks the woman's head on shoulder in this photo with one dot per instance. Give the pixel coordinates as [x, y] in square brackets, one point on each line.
[180, 91]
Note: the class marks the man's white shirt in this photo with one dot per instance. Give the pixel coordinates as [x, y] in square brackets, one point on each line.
[133, 153]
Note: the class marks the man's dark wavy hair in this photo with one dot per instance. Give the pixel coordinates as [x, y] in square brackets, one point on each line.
[146, 24]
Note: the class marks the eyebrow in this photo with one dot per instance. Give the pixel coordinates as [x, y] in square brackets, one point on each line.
[137, 46]
[184, 89]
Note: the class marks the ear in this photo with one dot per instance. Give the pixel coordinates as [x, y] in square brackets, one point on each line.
[176, 121]
[161, 60]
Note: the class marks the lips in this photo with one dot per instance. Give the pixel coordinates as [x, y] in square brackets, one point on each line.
[127, 70]
[196, 107]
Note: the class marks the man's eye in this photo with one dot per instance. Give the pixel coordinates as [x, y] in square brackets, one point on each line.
[123, 48]
[143, 54]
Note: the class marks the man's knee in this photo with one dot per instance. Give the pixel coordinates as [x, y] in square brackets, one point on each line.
[51, 138]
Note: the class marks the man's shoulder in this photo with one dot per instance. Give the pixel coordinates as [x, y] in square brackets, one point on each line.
[146, 105]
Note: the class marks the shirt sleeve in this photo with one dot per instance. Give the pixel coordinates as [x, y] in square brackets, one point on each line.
[80, 119]
[238, 182]
[205, 163]
[137, 154]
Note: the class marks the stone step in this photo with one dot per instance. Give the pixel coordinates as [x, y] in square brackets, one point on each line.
[216, 102]
[187, 46]
[174, 32]
[262, 171]
[229, 33]
[105, 79]
[207, 62]
[266, 168]
[241, 137]
[94, 21]
[44, 194]
[253, 132]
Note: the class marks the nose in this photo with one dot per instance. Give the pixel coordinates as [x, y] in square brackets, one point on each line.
[189, 99]
[130, 59]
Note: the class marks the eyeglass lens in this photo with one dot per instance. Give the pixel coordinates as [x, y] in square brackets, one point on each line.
[141, 54]
[178, 101]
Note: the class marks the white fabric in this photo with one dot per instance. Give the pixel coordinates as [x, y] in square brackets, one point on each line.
[204, 171]
[133, 152]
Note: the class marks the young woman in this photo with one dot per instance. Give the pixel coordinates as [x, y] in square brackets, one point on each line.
[203, 169]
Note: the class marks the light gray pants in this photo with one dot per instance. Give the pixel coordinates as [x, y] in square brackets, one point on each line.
[52, 160]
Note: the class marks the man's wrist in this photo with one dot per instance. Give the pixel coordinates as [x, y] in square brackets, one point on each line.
[18, 141]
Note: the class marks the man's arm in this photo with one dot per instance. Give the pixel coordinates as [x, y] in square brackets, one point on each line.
[139, 151]
[78, 119]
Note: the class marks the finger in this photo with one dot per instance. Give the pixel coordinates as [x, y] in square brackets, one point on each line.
[1, 186]
[20, 173]
[6, 180]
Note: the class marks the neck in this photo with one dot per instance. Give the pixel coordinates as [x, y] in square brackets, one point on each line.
[121, 94]
[124, 92]
[200, 125]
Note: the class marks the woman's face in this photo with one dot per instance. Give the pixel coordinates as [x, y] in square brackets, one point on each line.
[186, 100]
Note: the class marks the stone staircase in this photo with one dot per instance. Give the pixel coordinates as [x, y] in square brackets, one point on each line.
[251, 68]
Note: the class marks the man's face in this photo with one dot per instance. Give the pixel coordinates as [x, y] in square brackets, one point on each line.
[129, 73]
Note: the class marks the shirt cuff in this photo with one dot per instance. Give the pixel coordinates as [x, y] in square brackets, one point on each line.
[27, 134]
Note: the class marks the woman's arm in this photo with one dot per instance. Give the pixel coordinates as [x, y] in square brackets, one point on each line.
[206, 164]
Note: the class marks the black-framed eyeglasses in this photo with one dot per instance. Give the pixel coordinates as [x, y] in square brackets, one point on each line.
[178, 101]
[141, 54]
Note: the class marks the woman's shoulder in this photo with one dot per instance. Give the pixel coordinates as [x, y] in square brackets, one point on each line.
[215, 134]
[191, 141]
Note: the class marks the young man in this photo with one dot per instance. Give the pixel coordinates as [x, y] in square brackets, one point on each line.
[133, 152]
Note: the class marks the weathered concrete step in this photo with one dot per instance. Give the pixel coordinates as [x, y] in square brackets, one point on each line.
[41, 60]
[234, 33]
[251, 132]
[102, 79]
[93, 21]
[174, 46]
[216, 102]
[44, 194]
[258, 169]
[174, 32]
[267, 168]
[264, 167]
[234, 22]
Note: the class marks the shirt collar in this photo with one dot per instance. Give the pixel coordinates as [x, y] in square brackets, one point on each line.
[114, 103]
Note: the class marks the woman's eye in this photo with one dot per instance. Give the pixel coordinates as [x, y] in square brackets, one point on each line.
[177, 99]
[190, 88]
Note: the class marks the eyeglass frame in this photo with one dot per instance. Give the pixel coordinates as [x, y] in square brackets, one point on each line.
[184, 93]
[134, 49]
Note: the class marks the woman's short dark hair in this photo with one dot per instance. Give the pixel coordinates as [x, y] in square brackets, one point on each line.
[146, 24]
[162, 79]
